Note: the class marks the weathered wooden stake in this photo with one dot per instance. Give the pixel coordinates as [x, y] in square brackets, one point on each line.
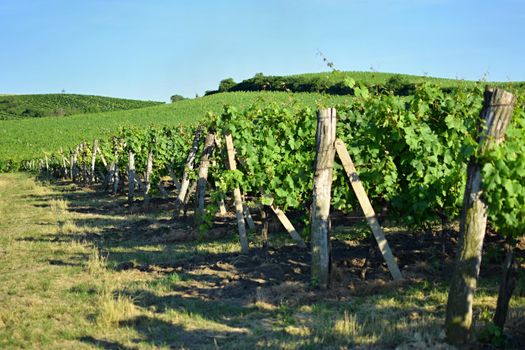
[131, 177]
[324, 160]
[209, 144]
[232, 165]
[222, 207]
[185, 183]
[83, 148]
[497, 113]
[74, 171]
[367, 208]
[109, 176]
[506, 287]
[162, 189]
[265, 227]
[247, 214]
[104, 162]
[147, 179]
[93, 161]
[174, 179]
[288, 226]
[115, 175]
[64, 166]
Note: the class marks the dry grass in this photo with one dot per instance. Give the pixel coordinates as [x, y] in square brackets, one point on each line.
[112, 309]
[60, 287]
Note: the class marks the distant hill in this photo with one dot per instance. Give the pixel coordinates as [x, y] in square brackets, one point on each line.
[45, 105]
[29, 138]
[335, 83]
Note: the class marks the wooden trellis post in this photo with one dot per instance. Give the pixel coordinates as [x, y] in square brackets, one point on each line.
[185, 183]
[147, 178]
[324, 160]
[247, 214]
[83, 147]
[497, 113]
[131, 176]
[64, 166]
[93, 160]
[74, 171]
[115, 175]
[367, 208]
[265, 227]
[287, 224]
[47, 163]
[239, 212]
[209, 144]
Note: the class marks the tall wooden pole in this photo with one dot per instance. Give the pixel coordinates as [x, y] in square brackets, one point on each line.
[147, 178]
[84, 166]
[93, 161]
[131, 176]
[239, 211]
[323, 165]
[496, 113]
[185, 182]
[506, 286]
[368, 210]
[202, 180]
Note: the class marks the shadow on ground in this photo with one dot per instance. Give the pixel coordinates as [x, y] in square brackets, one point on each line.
[222, 290]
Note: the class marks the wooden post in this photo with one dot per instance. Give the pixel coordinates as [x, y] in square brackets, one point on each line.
[185, 183]
[115, 176]
[288, 226]
[64, 166]
[264, 229]
[131, 176]
[367, 208]
[174, 179]
[497, 113]
[324, 160]
[247, 214]
[147, 178]
[104, 162]
[209, 144]
[83, 147]
[506, 286]
[47, 163]
[162, 189]
[74, 172]
[232, 165]
[222, 206]
[93, 161]
[109, 176]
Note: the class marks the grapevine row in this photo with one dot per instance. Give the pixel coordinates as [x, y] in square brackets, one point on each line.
[411, 154]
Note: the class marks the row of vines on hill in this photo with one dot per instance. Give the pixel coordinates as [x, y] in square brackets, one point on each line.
[410, 152]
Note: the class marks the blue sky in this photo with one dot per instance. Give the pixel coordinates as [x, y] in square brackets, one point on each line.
[153, 49]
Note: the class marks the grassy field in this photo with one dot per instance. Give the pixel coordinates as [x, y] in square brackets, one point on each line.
[43, 105]
[79, 269]
[29, 138]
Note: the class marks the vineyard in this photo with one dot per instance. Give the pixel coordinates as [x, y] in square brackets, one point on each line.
[45, 105]
[411, 154]
[28, 138]
[296, 179]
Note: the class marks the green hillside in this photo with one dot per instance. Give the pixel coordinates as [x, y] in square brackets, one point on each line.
[44, 105]
[335, 83]
[29, 138]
